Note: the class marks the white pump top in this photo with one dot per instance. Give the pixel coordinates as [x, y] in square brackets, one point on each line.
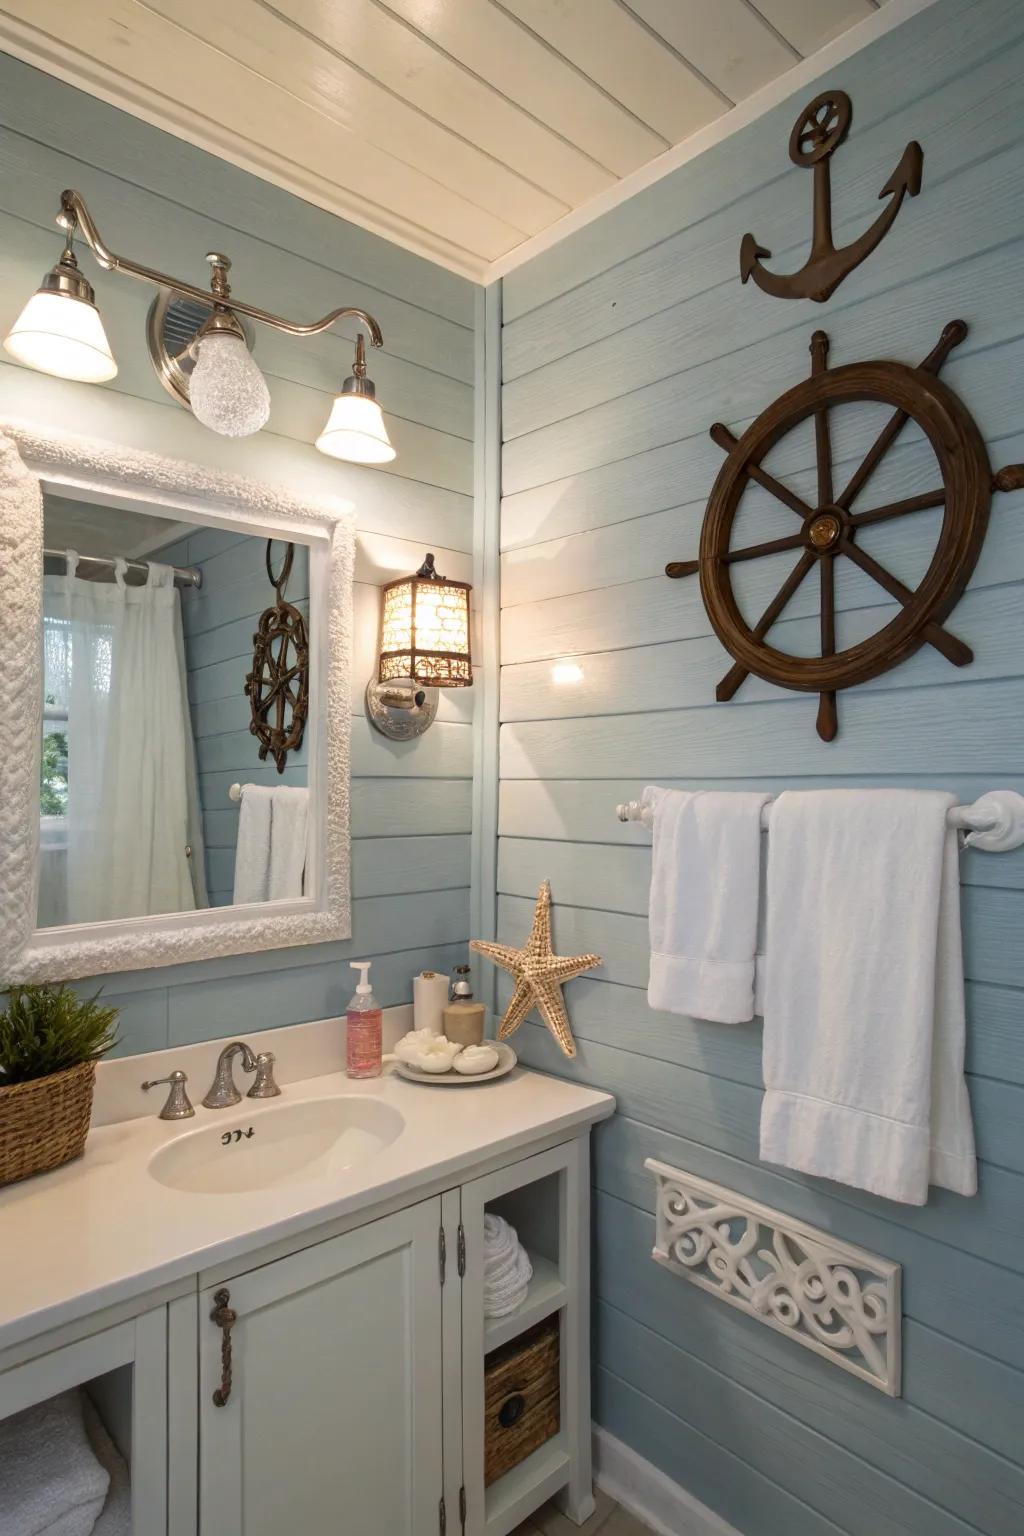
[362, 966]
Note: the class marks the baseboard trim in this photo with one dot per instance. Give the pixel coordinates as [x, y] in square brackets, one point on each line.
[649, 1495]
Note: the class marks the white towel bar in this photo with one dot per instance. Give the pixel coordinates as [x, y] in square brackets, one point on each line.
[995, 822]
[235, 792]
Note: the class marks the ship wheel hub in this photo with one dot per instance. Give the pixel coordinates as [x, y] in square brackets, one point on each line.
[825, 529]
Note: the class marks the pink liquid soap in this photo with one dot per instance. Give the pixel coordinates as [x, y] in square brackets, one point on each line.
[363, 1028]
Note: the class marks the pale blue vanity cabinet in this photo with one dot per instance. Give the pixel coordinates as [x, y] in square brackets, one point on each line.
[332, 1418]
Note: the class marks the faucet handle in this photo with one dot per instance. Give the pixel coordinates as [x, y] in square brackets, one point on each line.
[264, 1086]
[178, 1106]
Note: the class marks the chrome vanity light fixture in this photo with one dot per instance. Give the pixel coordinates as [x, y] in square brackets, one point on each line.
[199, 342]
[424, 646]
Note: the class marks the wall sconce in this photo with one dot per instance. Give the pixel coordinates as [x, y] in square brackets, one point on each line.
[199, 343]
[424, 646]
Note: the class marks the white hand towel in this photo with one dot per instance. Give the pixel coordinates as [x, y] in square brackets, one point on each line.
[270, 856]
[289, 813]
[252, 851]
[50, 1479]
[705, 884]
[864, 994]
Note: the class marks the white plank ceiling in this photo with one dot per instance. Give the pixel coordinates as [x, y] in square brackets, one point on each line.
[463, 129]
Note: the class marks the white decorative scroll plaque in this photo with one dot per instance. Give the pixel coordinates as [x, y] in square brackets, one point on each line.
[840, 1301]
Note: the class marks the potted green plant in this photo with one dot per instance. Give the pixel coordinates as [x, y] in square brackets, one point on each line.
[50, 1042]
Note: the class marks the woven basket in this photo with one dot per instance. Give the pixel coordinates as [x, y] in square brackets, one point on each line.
[521, 1382]
[44, 1123]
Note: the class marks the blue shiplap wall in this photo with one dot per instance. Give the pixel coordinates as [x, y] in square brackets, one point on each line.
[167, 203]
[621, 345]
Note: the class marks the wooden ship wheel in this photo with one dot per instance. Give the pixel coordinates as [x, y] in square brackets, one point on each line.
[828, 530]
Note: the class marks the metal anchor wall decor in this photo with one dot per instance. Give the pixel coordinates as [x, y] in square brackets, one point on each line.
[817, 134]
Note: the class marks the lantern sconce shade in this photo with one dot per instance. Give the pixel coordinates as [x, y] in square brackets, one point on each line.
[424, 645]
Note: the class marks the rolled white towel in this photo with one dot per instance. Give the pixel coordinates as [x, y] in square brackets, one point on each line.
[51, 1483]
[507, 1268]
[116, 1516]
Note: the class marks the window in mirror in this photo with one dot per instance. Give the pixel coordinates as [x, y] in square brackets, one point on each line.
[147, 638]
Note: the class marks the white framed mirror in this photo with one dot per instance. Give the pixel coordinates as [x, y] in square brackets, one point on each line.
[139, 825]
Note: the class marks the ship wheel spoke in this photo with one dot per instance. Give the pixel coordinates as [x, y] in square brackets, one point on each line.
[952, 335]
[738, 674]
[727, 440]
[899, 508]
[769, 547]
[828, 717]
[822, 436]
[676, 568]
[875, 454]
[946, 644]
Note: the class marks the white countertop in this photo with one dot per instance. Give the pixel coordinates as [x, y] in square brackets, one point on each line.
[101, 1230]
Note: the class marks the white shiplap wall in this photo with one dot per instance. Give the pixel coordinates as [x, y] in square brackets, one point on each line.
[621, 346]
[167, 203]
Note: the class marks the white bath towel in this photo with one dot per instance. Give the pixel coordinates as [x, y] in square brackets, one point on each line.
[51, 1483]
[270, 855]
[507, 1268]
[289, 812]
[705, 883]
[864, 994]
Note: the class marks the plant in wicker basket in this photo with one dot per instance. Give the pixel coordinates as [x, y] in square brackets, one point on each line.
[50, 1042]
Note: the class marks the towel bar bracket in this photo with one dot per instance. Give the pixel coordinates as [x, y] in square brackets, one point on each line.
[994, 823]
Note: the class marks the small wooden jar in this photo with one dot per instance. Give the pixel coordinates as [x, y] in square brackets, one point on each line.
[463, 1021]
[521, 1398]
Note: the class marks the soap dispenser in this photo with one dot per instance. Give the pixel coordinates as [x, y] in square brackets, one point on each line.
[363, 1028]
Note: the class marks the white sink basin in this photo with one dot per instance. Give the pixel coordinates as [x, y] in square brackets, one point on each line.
[307, 1142]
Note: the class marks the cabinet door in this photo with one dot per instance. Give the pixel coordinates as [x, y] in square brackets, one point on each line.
[333, 1420]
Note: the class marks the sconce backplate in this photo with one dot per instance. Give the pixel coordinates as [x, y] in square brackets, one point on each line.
[400, 721]
[172, 324]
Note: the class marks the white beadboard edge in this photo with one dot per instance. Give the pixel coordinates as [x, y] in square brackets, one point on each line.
[651, 1497]
[841, 48]
[33, 46]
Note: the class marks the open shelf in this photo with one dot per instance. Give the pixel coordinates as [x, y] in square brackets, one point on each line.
[522, 1490]
[545, 1295]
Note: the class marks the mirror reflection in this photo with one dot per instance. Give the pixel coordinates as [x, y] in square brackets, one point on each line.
[148, 632]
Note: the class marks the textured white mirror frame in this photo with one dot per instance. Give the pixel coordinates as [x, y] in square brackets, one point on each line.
[29, 458]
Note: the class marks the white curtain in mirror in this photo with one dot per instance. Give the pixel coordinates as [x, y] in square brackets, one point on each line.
[121, 834]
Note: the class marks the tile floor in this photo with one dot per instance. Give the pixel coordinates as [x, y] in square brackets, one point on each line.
[608, 1519]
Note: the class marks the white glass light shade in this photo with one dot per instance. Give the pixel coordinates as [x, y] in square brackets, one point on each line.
[227, 391]
[355, 430]
[60, 334]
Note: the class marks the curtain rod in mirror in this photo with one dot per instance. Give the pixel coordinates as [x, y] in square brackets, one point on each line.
[60, 332]
[184, 576]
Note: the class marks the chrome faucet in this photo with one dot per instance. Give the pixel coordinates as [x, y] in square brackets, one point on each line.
[178, 1106]
[224, 1092]
[264, 1086]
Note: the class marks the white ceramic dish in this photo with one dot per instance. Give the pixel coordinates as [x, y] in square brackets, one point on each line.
[507, 1059]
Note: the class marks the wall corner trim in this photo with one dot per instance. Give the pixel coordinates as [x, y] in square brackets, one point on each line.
[661, 1504]
[487, 585]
